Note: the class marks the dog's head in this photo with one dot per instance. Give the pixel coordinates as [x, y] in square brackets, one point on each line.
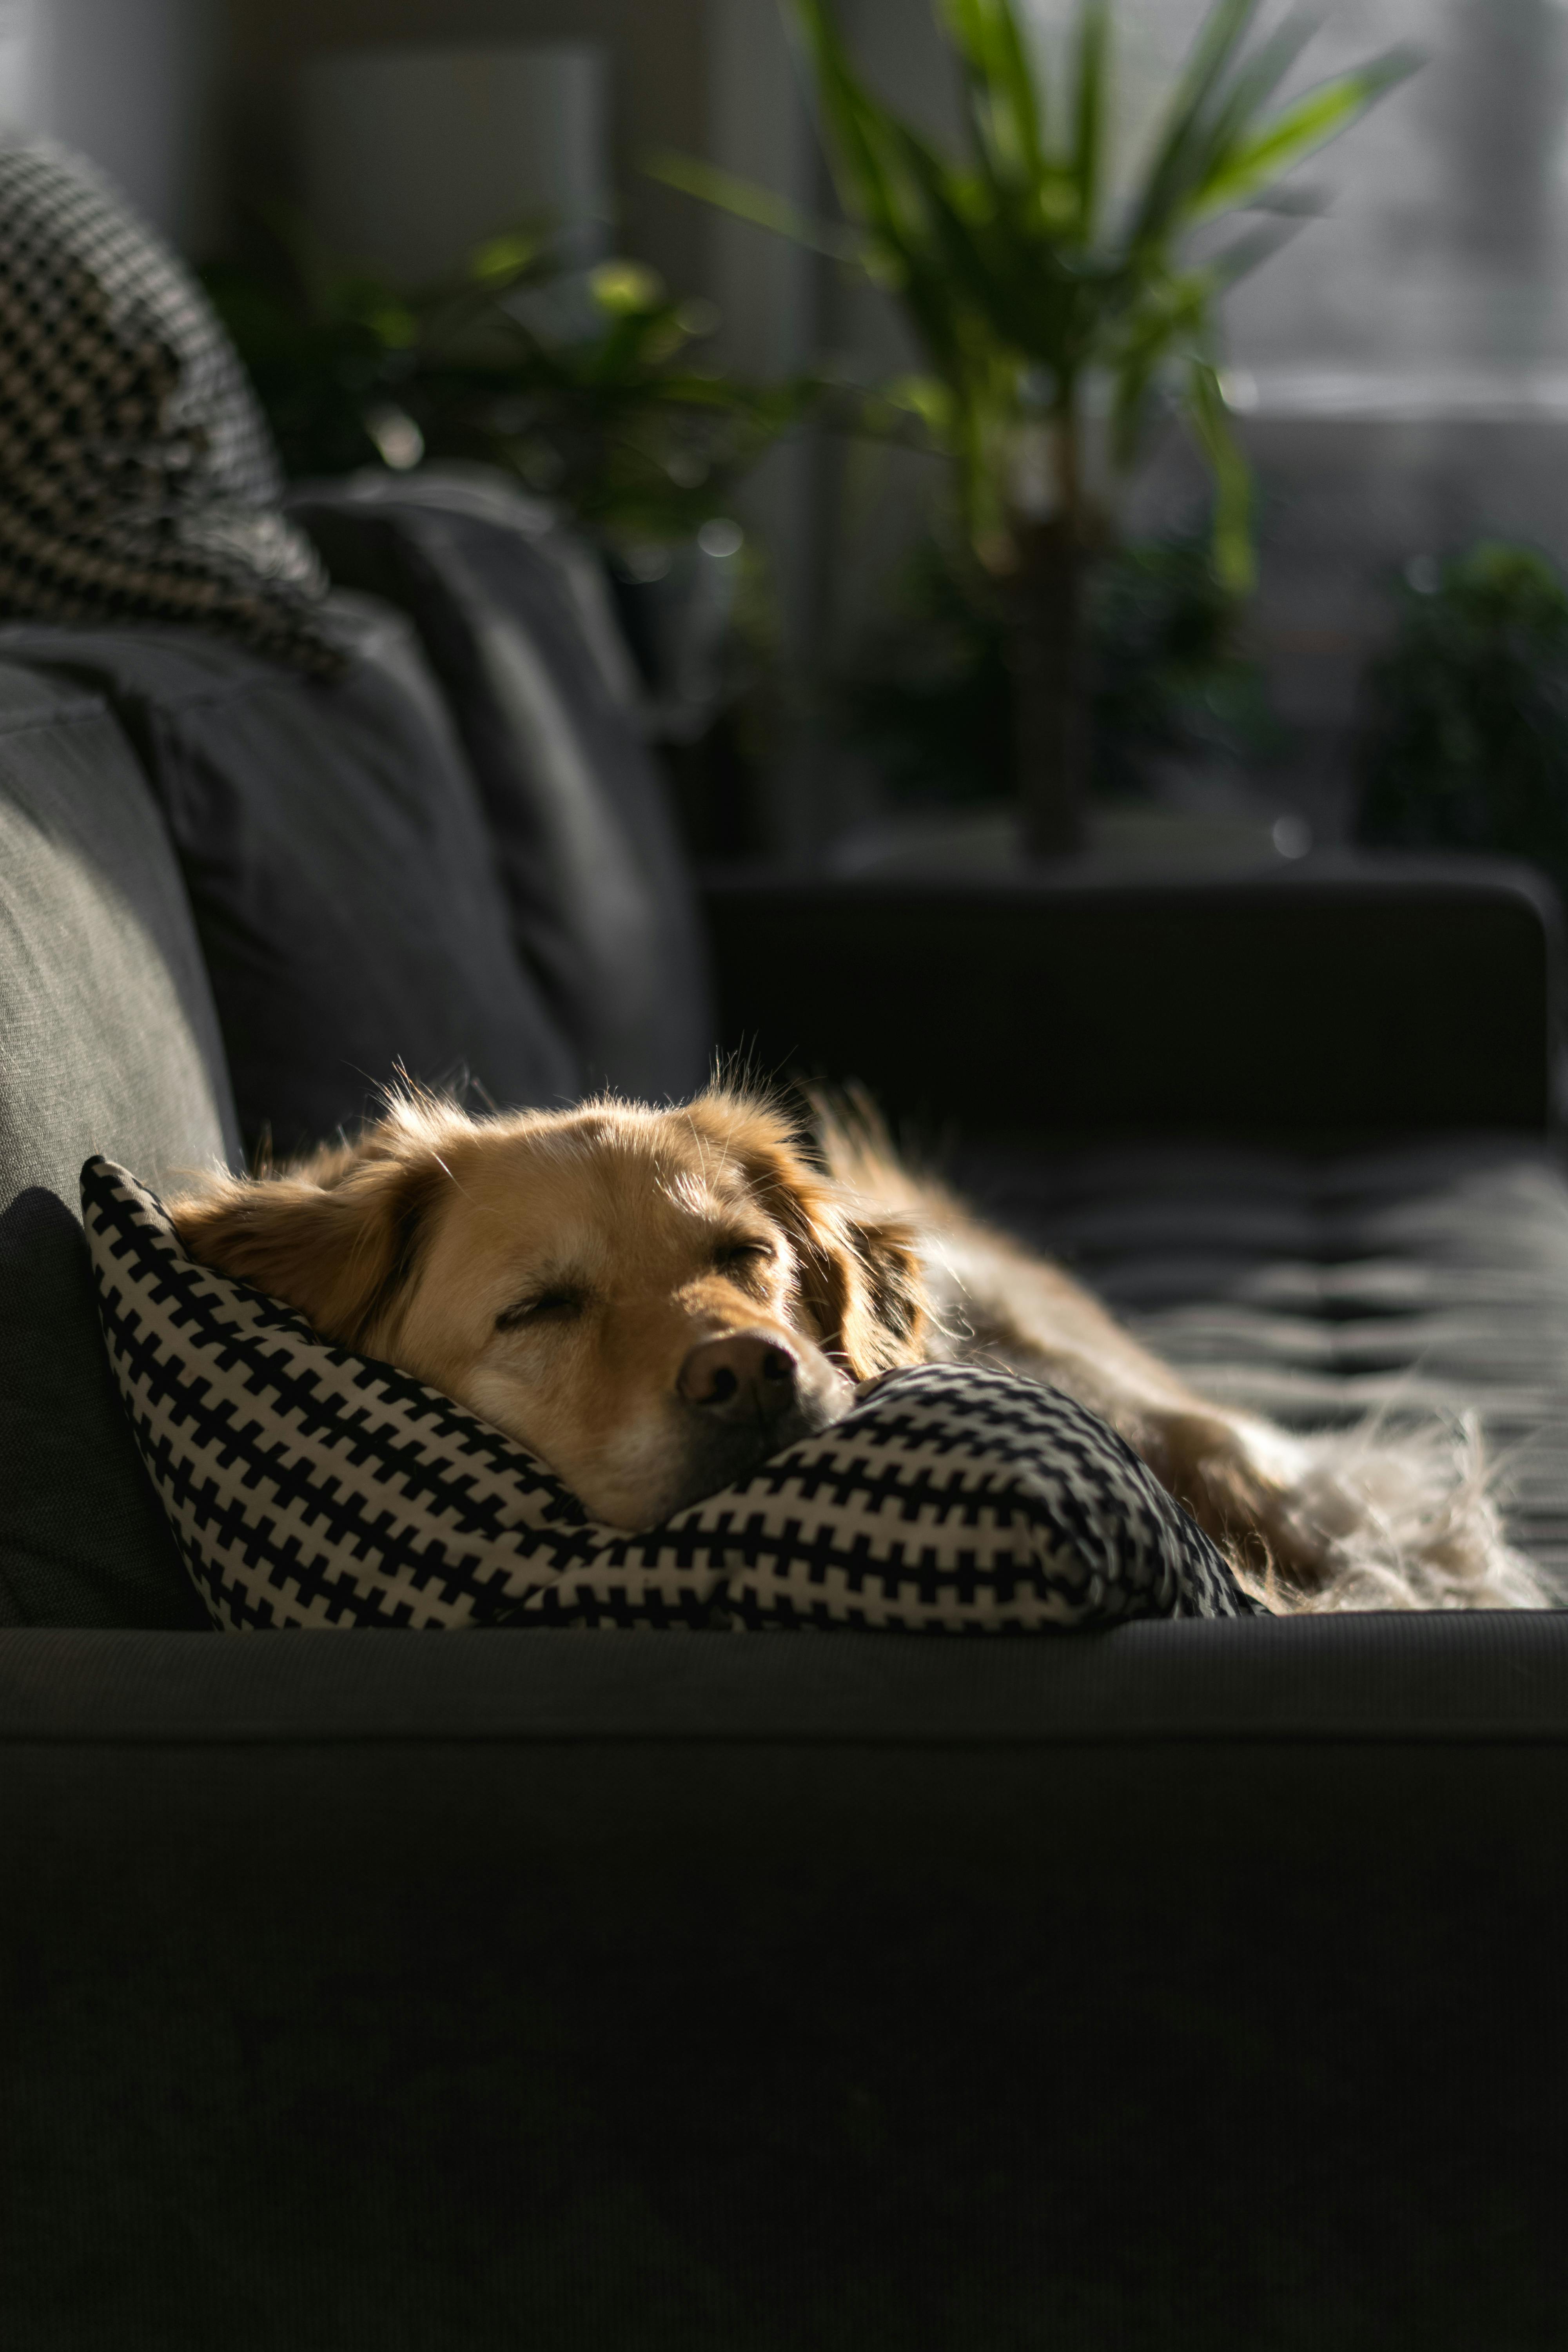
[652, 1301]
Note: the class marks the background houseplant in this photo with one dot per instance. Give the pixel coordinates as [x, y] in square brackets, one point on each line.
[930, 696]
[1025, 287]
[1464, 742]
[590, 387]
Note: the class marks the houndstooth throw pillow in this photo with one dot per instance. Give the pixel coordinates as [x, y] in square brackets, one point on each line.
[309, 1486]
[137, 475]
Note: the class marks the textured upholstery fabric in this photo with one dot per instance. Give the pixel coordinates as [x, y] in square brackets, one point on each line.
[311, 1487]
[108, 1038]
[1316, 1286]
[344, 891]
[513, 618]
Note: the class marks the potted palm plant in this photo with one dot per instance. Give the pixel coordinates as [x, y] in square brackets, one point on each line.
[1027, 290]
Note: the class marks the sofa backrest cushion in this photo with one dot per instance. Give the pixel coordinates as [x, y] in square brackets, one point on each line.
[344, 888]
[108, 1042]
[515, 621]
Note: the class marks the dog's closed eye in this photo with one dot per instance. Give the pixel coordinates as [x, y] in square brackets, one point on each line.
[745, 1261]
[558, 1306]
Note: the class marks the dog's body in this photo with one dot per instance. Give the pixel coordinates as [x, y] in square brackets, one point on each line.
[653, 1301]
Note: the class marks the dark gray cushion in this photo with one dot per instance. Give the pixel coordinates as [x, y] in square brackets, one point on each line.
[513, 618]
[345, 890]
[108, 1040]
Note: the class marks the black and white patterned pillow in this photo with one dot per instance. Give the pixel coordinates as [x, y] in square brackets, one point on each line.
[309, 1486]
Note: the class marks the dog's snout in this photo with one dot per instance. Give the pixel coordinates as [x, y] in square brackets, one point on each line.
[742, 1375]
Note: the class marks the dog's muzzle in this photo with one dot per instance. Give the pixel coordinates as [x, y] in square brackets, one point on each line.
[747, 1395]
[745, 1379]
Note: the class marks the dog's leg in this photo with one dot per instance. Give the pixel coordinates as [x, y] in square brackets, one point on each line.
[998, 1304]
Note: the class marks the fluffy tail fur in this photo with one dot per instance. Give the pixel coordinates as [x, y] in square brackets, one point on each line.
[1399, 1519]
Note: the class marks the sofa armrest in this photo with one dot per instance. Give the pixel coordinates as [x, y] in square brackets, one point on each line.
[1346, 993]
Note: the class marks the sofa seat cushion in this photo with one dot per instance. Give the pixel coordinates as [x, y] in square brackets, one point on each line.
[514, 620]
[1318, 1285]
[107, 1040]
[344, 889]
[309, 1486]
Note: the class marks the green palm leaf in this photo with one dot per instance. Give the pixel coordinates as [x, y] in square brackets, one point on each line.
[1092, 105]
[1238, 98]
[1249, 166]
[744, 200]
[1234, 559]
[1178, 155]
[1005, 100]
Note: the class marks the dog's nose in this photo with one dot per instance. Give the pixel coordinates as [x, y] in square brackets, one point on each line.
[741, 1377]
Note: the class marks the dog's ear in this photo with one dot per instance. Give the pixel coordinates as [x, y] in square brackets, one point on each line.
[337, 1238]
[861, 1284]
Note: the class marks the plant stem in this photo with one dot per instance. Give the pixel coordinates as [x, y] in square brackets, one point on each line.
[1047, 658]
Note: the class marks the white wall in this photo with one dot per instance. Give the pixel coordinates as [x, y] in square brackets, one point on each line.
[131, 84]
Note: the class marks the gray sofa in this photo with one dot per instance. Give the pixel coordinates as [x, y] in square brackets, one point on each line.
[1191, 1985]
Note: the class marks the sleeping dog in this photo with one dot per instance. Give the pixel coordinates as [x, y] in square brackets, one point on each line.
[653, 1301]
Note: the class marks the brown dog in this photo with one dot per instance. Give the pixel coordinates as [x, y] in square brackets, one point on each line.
[654, 1301]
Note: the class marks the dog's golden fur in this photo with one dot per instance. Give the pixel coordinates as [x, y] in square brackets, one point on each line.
[556, 1271]
[652, 1301]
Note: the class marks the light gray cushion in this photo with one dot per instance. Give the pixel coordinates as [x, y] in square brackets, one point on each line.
[107, 1040]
